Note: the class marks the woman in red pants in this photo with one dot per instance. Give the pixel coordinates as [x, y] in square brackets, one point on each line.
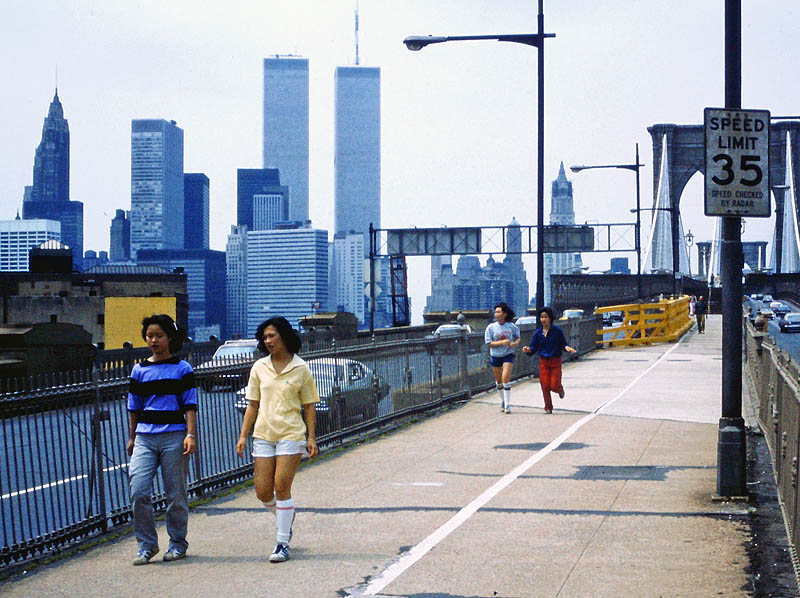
[549, 341]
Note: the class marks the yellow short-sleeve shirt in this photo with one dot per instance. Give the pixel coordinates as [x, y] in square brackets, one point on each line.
[281, 398]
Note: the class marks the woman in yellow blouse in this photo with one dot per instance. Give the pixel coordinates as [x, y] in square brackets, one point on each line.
[280, 387]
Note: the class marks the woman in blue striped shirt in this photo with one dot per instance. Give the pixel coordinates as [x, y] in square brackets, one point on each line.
[162, 408]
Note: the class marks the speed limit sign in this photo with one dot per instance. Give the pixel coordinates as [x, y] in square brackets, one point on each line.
[737, 162]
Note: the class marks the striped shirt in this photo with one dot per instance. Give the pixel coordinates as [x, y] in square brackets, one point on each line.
[161, 393]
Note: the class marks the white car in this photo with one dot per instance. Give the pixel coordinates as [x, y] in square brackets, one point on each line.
[450, 330]
[527, 320]
[231, 353]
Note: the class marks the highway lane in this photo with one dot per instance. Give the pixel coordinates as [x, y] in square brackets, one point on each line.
[789, 341]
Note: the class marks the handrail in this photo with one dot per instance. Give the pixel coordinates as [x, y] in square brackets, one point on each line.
[646, 323]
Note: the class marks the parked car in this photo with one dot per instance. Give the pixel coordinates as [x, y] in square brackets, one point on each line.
[357, 384]
[767, 313]
[449, 330]
[527, 320]
[780, 309]
[231, 353]
[790, 322]
[568, 314]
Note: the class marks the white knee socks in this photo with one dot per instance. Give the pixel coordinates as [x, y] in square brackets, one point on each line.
[270, 504]
[502, 395]
[285, 515]
[506, 395]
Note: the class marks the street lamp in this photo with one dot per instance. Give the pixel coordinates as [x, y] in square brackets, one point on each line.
[417, 42]
[634, 167]
[689, 237]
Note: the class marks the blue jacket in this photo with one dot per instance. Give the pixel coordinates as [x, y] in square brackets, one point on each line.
[548, 346]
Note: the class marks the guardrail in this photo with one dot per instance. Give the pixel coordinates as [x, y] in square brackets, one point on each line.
[776, 381]
[646, 323]
[63, 465]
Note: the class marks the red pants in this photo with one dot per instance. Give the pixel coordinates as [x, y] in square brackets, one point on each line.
[550, 378]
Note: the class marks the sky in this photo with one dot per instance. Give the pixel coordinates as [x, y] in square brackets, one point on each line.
[458, 120]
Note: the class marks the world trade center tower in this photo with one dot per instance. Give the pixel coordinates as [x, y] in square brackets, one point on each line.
[286, 127]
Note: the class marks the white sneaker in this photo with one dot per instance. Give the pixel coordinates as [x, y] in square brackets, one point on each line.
[280, 554]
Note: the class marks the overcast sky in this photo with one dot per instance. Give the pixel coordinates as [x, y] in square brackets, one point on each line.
[458, 120]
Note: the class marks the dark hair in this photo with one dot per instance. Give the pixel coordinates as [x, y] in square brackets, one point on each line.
[547, 310]
[506, 310]
[288, 334]
[175, 333]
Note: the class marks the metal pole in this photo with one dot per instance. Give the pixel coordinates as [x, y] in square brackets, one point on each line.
[372, 247]
[540, 172]
[638, 232]
[732, 443]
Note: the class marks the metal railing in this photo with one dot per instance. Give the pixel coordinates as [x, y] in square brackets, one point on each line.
[776, 380]
[63, 464]
[646, 323]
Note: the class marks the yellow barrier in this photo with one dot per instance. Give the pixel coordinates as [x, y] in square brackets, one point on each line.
[646, 323]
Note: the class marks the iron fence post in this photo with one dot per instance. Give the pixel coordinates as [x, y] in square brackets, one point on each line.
[462, 354]
[98, 416]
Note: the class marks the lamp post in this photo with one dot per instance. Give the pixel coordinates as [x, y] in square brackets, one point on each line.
[689, 237]
[417, 42]
[634, 167]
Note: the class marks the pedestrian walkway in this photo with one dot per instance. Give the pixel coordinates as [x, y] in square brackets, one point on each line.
[608, 496]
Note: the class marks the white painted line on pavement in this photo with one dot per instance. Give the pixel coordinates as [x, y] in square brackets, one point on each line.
[58, 483]
[419, 550]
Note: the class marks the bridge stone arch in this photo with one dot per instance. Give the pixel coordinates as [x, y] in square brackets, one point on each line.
[683, 146]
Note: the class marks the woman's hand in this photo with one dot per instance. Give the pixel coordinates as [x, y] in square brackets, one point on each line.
[526, 349]
[311, 447]
[129, 448]
[570, 350]
[189, 445]
[241, 444]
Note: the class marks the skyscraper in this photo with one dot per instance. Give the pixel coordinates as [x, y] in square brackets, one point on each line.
[357, 151]
[561, 212]
[48, 197]
[261, 200]
[196, 195]
[287, 273]
[236, 281]
[286, 127]
[120, 247]
[157, 199]
[348, 252]
[18, 237]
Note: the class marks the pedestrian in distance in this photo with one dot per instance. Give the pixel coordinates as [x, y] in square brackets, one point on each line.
[700, 314]
[549, 341]
[162, 411]
[502, 336]
[692, 301]
[280, 387]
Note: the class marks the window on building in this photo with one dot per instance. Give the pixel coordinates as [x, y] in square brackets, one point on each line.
[101, 318]
[53, 318]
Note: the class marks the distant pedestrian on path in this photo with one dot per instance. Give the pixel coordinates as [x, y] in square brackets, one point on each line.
[502, 336]
[549, 341]
[280, 387]
[692, 301]
[700, 314]
[162, 409]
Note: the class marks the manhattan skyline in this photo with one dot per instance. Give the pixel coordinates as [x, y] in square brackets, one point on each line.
[458, 121]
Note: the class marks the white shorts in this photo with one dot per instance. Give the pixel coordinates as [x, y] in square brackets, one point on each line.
[264, 448]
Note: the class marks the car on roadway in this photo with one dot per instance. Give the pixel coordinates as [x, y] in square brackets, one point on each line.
[527, 321]
[450, 330]
[790, 322]
[610, 317]
[767, 299]
[780, 309]
[569, 314]
[363, 394]
[767, 313]
[235, 353]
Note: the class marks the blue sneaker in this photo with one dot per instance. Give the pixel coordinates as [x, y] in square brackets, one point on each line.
[174, 554]
[280, 554]
[144, 557]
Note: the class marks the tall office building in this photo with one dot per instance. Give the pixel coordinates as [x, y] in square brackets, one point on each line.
[561, 212]
[286, 127]
[196, 196]
[348, 252]
[357, 151]
[157, 199]
[18, 237]
[48, 197]
[261, 201]
[120, 248]
[205, 282]
[236, 282]
[516, 269]
[287, 273]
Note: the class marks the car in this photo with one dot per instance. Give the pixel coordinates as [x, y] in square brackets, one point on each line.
[610, 317]
[790, 322]
[527, 321]
[450, 330]
[230, 353]
[569, 314]
[767, 299]
[780, 309]
[363, 394]
[767, 313]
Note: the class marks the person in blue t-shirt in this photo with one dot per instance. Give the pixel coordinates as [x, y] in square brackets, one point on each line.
[549, 341]
[162, 409]
[502, 336]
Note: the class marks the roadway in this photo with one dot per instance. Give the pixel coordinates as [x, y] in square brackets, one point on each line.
[789, 341]
[609, 496]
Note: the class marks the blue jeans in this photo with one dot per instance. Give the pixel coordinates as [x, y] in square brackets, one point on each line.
[150, 451]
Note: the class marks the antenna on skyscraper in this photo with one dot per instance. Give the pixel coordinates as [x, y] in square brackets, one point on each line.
[357, 60]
